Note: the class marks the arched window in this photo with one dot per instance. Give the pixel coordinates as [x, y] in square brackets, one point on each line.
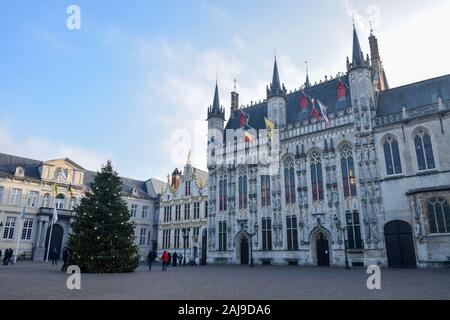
[60, 201]
[424, 151]
[316, 177]
[392, 157]
[243, 195]
[223, 192]
[348, 171]
[73, 203]
[46, 201]
[187, 188]
[439, 215]
[289, 181]
[265, 191]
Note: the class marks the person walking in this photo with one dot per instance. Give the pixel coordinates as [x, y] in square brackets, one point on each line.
[5, 257]
[54, 256]
[65, 260]
[164, 260]
[180, 259]
[169, 259]
[10, 255]
[150, 258]
[174, 259]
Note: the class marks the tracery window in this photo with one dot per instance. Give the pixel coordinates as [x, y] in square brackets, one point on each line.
[243, 194]
[348, 171]
[316, 177]
[424, 151]
[289, 181]
[392, 157]
[439, 215]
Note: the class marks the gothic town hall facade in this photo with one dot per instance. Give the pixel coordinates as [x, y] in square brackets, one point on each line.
[363, 174]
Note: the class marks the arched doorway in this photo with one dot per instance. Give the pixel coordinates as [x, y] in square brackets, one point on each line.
[57, 239]
[322, 250]
[204, 247]
[244, 251]
[399, 245]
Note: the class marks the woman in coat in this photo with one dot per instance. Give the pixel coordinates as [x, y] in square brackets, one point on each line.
[164, 260]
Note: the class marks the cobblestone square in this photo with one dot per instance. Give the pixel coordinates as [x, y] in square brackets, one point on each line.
[32, 280]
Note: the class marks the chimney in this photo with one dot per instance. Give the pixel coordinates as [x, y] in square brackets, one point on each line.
[234, 101]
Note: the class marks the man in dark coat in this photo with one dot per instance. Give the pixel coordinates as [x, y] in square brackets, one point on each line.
[54, 256]
[5, 257]
[8, 257]
[150, 258]
[174, 259]
[65, 260]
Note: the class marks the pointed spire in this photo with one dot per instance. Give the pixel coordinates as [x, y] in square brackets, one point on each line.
[332, 150]
[275, 87]
[358, 57]
[303, 154]
[307, 83]
[276, 77]
[297, 153]
[216, 102]
[216, 110]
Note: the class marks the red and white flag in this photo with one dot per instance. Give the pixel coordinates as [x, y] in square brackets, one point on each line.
[324, 111]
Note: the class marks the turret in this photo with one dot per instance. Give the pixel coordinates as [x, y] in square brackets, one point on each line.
[380, 79]
[276, 99]
[361, 88]
[234, 102]
[216, 110]
[216, 120]
[358, 55]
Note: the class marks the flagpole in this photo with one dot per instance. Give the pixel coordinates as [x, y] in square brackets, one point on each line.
[18, 241]
[50, 239]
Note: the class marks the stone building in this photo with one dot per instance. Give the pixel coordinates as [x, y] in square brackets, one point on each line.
[29, 183]
[364, 171]
[183, 218]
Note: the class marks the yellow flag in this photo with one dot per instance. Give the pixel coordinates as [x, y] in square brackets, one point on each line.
[55, 190]
[270, 126]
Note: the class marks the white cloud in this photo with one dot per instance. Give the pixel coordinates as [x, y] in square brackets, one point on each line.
[413, 44]
[43, 149]
[416, 48]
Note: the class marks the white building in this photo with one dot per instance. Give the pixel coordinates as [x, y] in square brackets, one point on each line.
[183, 218]
[29, 183]
[364, 170]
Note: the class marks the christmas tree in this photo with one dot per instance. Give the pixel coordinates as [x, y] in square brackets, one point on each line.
[102, 238]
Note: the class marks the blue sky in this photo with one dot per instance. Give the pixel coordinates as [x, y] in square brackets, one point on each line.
[139, 70]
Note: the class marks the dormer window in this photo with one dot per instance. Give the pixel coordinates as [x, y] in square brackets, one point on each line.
[19, 172]
[61, 174]
[303, 102]
[341, 91]
[134, 192]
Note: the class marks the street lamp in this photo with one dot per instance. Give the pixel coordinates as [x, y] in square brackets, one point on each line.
[251, 235]
[342, 229]
[347, 266]
[185, 237]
